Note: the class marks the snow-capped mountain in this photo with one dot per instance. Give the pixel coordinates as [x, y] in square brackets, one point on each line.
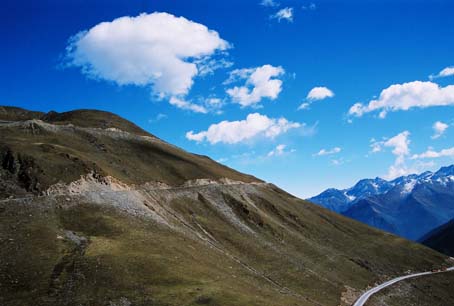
[409, 206]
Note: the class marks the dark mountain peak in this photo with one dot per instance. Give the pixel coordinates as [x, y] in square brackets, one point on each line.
[375, 183]
[12, 113]
[86, 118]
[93, 119]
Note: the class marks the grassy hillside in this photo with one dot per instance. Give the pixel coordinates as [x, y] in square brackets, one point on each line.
[39, 154]
[116, 237]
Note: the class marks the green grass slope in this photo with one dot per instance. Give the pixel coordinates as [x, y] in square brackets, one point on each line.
[125, 241]
[40, 153]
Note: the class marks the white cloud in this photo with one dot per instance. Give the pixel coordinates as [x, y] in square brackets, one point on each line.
[323, 152]
[261, 82]
[183, 104]
[158, 117]
[337, 162]
[448, 71]
[304, 105]
[376, 146]
[285, 13]
[400, 148]
[439, 128]
[405, 96]
[155, 50]
[269, 3]
[208, 65]
[278, 151]
[430, 153]
[254, 125]
[316, 94]
[399, 143]
[319, 93]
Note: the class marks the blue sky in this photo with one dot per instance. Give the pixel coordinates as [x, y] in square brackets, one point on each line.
[250, 66]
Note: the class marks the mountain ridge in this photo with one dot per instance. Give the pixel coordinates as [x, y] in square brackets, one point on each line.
[95, 215]
[396, 205]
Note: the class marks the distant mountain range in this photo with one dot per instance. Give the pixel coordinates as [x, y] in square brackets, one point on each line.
[409, 206]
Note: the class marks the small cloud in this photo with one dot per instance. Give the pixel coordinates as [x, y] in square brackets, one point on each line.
[269, 3]
[332, 151]
[304, 105]
[316, 94]
[400, 148]
[439, 129]
[376, 146]
[448, 71]
[319, 93]
[158, 118]
[279, 151]
[261, 82]
[310, 7]
[337, 162]
[430, 153]
[186, 105]
[213, 104]
[284, 14]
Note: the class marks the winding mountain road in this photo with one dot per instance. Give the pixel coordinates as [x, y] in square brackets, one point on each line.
[363, 298]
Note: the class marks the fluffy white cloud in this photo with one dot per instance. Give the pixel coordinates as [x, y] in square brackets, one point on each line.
[399, 143]
[406, 96]
[400, 148]
[323, 152]
[319, 93]
[316, 94]
[254, 125]
[157, 50]
[448, 71]
[261, 82]
[430, 153]
[269, 3]
[439, 128]
[284, 14]
[183, 104]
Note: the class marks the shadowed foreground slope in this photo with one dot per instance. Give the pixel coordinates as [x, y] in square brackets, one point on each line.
[93, 215]
[441, 239]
